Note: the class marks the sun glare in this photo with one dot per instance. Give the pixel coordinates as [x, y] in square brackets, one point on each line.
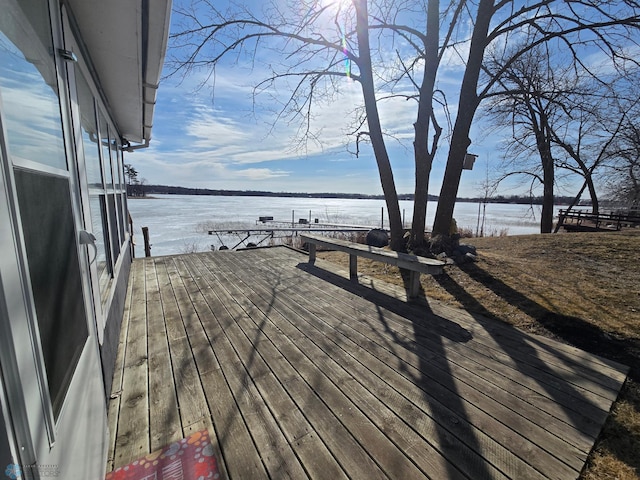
[335, 5]
[332, 17]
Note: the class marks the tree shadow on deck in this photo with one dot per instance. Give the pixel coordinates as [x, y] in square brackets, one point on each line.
[568, 329]
[572, 330]
[432, 332]
[443, 328]
[241, 360]
[460, 442]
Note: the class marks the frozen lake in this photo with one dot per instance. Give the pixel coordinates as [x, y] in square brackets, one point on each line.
[179, 223]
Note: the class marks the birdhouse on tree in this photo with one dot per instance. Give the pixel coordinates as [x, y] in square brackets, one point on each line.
[469, 159]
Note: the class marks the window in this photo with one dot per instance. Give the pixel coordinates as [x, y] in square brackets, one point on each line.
[28, 81]
[35, 145]
[122, 196]
[91, 149]
[55, 275]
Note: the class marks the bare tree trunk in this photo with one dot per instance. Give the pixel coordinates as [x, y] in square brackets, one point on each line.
[595, 204]
[573, 203]
[451, 181]
[467, 108]
[548, 172]
[423, 156]
[586, 172]
[375, 130]
[543, 141]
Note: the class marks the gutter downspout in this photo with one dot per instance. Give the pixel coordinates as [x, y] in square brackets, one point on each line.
[132, 148]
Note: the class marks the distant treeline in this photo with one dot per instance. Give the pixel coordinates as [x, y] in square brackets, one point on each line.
[171, 190]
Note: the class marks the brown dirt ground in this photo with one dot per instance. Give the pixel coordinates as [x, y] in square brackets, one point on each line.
[579, 288]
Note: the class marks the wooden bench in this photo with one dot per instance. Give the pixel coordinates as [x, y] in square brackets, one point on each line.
[413, 263]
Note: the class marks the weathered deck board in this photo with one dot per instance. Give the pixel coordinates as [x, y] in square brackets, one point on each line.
[271, 445]
[551, 360]
[380, 449]
[298, 372]
[438, 468]
[303, 384]
[441, 402]
[164, 417]
[463, 355]
[133, 416]
[116, 384]
[308, 446]
[241, 458]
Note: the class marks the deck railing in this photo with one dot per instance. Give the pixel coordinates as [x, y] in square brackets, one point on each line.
[596, 221]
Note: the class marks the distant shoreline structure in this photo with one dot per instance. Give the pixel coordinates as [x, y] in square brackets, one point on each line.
[173, 190]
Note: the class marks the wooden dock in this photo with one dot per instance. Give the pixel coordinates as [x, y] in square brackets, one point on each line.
[298, 372]
[585, 221]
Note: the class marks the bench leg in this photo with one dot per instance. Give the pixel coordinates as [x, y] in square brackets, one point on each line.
[353, 267]
[312, 253]
[414, 284]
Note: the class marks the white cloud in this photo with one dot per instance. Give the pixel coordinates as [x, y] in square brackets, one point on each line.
[237, 133]
[601, 62]
[194, 169]
[261, 173]
[33, 137]
[214, 130]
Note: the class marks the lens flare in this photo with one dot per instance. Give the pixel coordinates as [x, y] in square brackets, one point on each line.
[347, 60]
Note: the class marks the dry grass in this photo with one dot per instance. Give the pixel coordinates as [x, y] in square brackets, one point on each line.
[580, 288]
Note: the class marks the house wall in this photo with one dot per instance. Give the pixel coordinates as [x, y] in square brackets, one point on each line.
[5, 456]
[105, 199]
[109, 347]
[61, 175]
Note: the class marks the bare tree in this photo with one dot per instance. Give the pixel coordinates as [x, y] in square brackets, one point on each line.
[488, 187]
[319, 39]
[578, 27]
[536, 98]
[562, 114]
[532, 101]
[623, 176]
[363, 60]
[407, 39]
[586, 144]
[140, 186]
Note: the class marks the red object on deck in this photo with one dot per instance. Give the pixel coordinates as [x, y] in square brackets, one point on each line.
[191, 458]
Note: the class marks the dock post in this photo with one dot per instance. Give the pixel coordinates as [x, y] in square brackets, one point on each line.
[353, 267]
[312, 253]
[132, 241]
[147, 245]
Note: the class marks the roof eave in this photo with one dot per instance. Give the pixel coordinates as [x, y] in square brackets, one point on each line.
[127, 43]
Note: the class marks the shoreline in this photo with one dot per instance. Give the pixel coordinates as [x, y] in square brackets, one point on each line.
[498, 199]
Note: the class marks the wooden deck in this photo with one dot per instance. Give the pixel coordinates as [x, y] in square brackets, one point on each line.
[298, 372]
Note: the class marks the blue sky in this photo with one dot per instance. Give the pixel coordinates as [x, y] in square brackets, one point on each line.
[209, 133]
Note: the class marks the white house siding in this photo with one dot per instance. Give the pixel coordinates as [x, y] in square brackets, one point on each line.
[61, 173]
